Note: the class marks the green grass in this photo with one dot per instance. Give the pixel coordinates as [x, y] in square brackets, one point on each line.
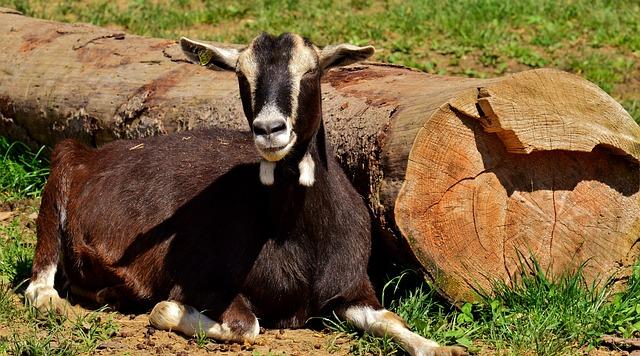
[26, 333]
[633, 107]
[17, 244]
[552, 317]
[33, 334]
[23, 172]
[599, 39]
[535, 315]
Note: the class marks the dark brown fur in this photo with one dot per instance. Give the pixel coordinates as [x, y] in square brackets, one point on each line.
[185, 217]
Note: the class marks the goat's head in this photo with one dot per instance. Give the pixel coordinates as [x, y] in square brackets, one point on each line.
[279, 79]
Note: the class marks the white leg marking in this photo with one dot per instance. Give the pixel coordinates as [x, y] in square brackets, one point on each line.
[41, 294]
[307, 170]
[383, 322]
[172, 315]
[267, 169]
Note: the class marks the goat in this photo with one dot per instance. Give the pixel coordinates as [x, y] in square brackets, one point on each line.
[193, 221]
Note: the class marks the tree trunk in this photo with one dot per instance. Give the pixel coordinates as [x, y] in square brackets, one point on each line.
[472, 173]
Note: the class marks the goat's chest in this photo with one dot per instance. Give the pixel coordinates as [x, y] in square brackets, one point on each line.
[280, 283]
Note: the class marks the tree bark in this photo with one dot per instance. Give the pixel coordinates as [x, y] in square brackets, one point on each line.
[471, 174]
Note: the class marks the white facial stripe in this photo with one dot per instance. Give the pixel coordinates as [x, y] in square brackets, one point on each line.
[302, 60]
[248, 65]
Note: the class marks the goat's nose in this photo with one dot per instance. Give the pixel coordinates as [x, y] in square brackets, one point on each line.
[268, 127]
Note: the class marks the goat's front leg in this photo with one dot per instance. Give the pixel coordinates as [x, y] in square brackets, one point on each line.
[238, 322]
[381, 322]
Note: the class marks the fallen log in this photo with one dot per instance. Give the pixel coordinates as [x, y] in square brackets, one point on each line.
[471, 174]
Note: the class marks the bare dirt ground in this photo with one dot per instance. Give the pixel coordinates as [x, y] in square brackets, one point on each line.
[137, 338]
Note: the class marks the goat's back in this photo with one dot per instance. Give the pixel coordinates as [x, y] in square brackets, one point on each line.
[126, 204]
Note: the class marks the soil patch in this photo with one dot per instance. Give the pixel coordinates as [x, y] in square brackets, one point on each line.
[136, 337]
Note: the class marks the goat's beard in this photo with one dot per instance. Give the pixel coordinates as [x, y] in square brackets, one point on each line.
[277, 154]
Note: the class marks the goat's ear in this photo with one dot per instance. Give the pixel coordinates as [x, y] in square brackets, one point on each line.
[209, 55]
[343, 54]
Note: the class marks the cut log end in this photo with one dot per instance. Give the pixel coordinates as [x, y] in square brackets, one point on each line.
[482, 192]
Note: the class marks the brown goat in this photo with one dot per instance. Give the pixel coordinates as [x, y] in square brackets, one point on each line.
[193, 221]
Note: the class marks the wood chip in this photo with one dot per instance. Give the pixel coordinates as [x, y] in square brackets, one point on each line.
[626, 344]
[6, 215]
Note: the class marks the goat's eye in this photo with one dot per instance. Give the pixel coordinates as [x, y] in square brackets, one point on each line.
[311, 72]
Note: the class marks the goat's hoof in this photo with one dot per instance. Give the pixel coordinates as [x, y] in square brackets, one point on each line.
[450, 351]
[47, 300]
[250, 334]
[166, 315]
[55, 305]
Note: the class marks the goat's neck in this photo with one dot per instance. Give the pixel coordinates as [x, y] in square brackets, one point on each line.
[294, 209]
[314, 152]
